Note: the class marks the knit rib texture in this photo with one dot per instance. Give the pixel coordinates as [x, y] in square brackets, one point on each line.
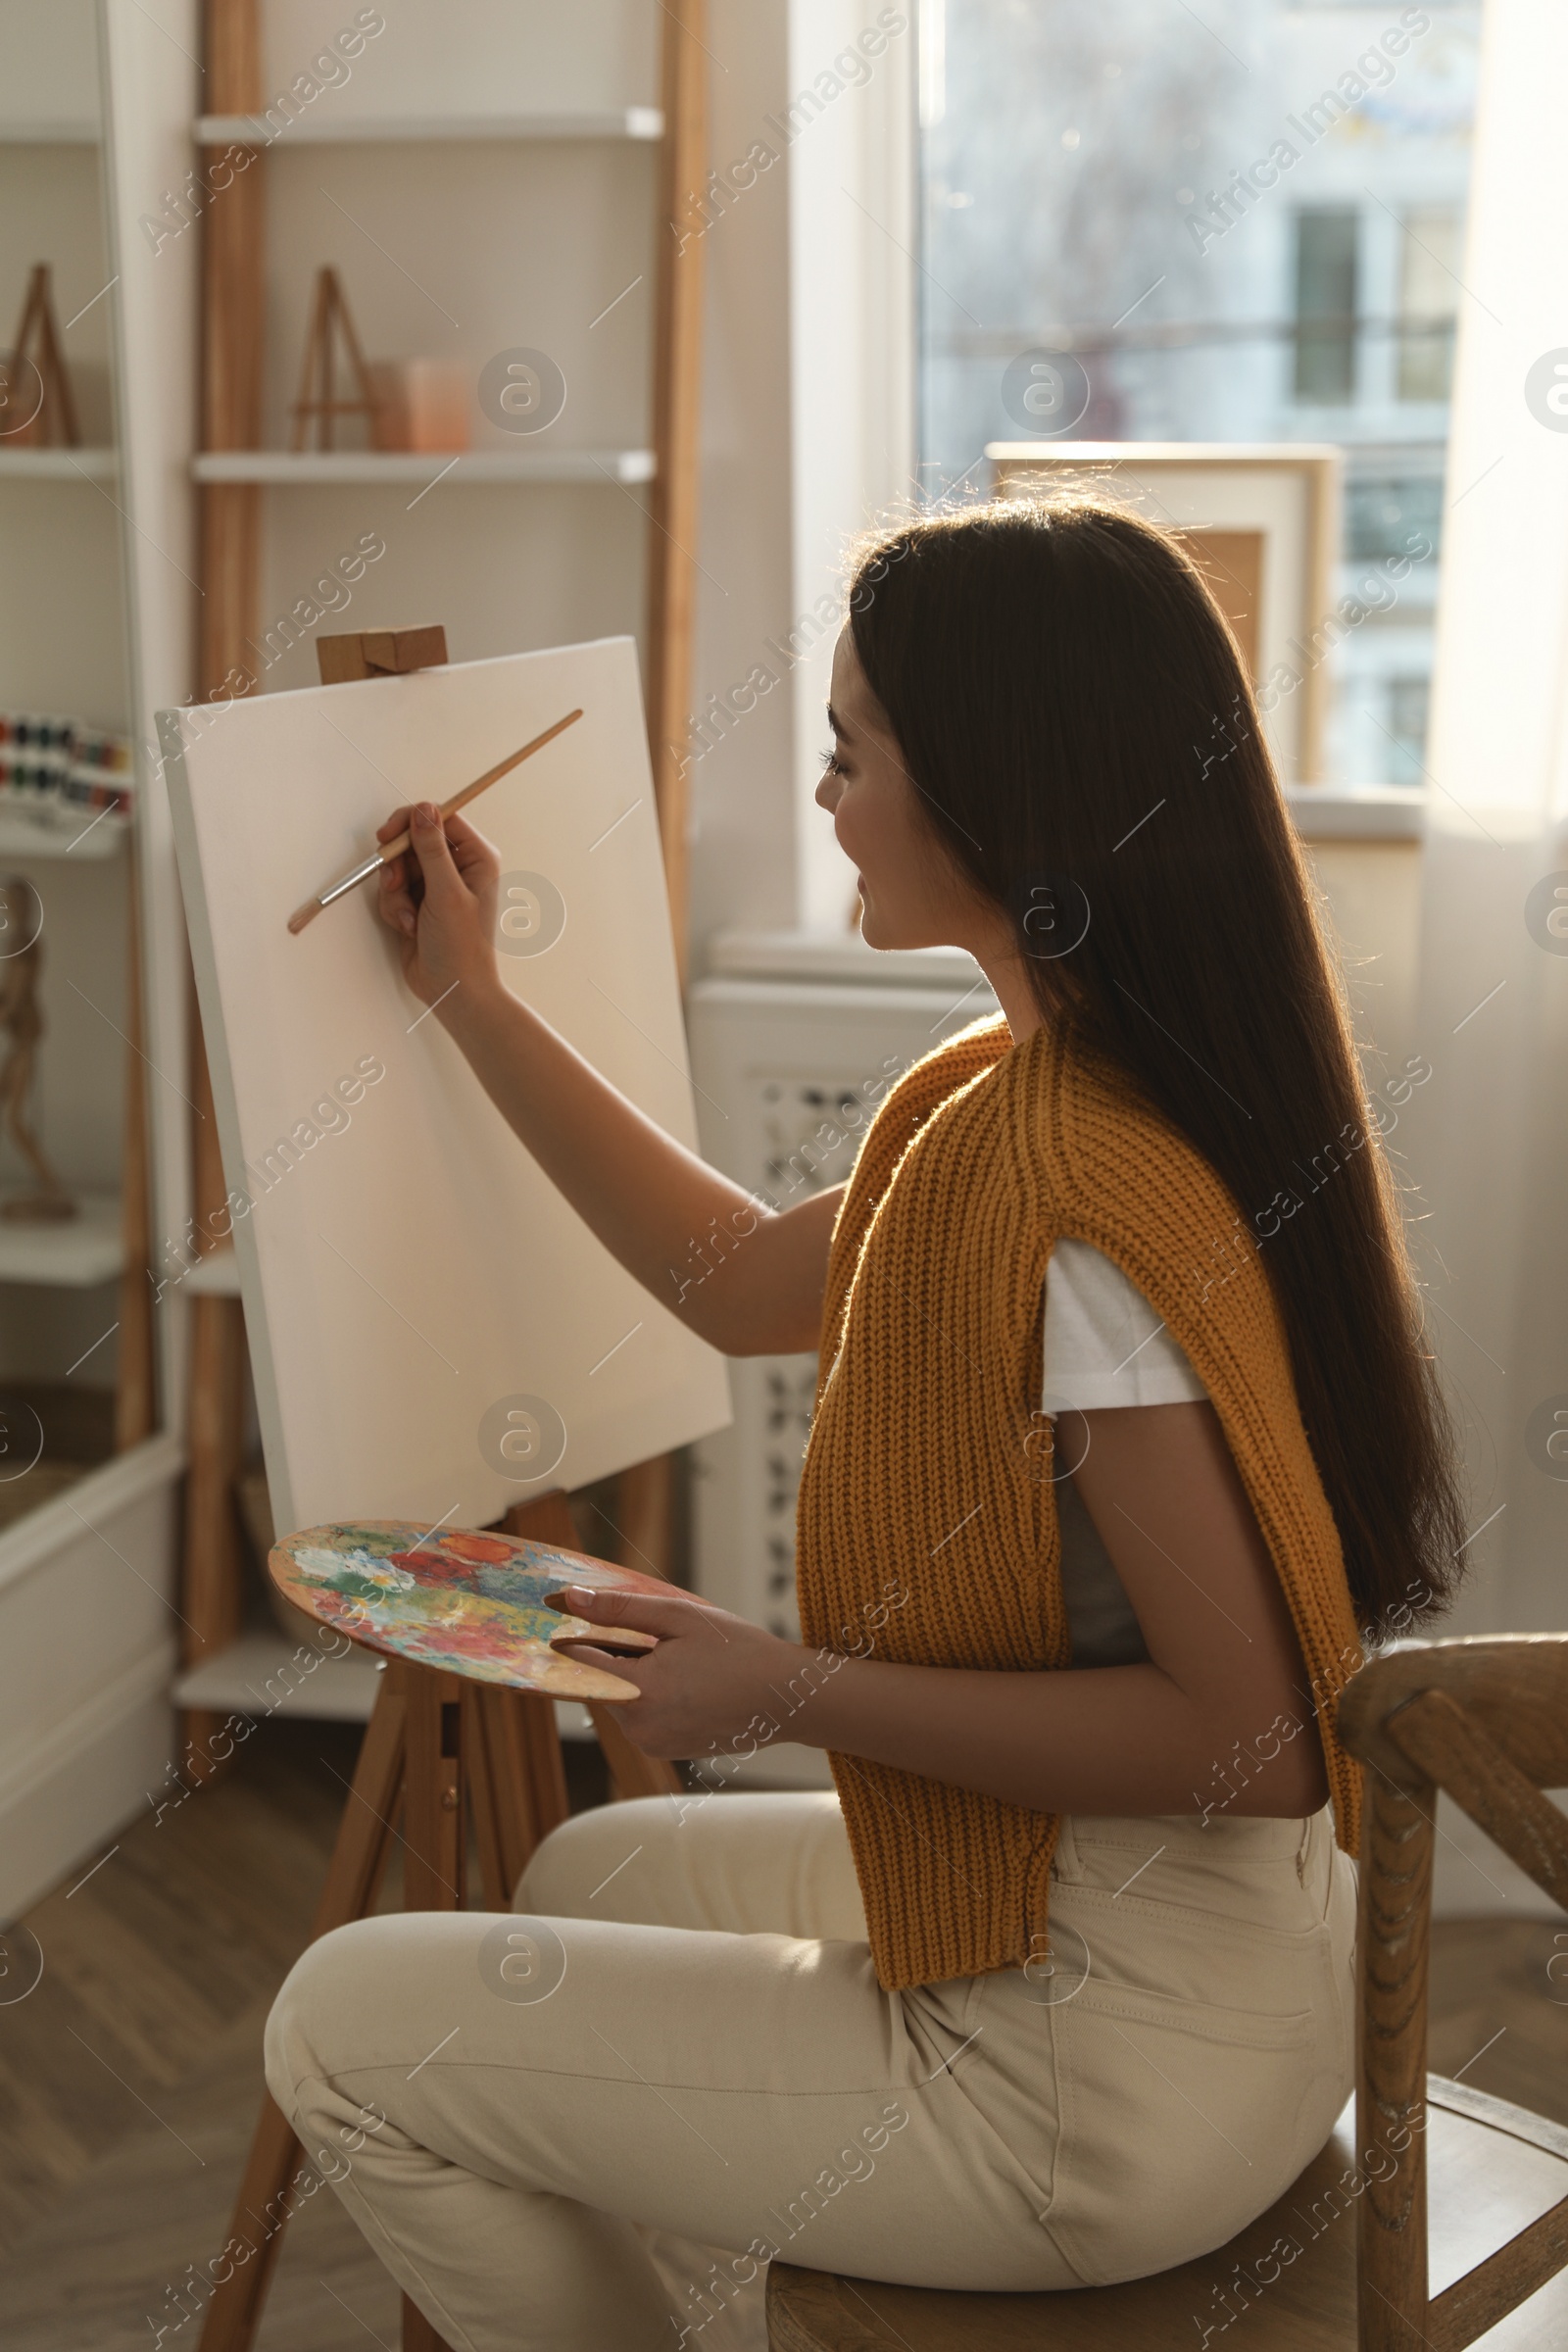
[929, 1461]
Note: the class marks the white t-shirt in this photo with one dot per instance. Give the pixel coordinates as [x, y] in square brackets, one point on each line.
[1104, 1345]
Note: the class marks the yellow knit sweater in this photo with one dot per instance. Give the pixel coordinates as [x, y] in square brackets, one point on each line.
[926, 1461]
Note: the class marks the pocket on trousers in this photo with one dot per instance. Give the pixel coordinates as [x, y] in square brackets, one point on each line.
[1243, 2029]
[1179, 2125]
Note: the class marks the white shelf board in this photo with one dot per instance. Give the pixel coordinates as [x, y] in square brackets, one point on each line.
[259, 1674]
[216, 1275]
[52, 131]
[339, 130]
[834, 955]
[88, 1248]
[248, 1677]
[1357, 812]
[58, 833]
[300, 467]
[58, 465]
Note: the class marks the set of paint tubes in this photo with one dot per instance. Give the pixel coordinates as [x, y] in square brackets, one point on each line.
[62, 775]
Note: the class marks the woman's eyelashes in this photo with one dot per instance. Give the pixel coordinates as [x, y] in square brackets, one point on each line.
[832, 764]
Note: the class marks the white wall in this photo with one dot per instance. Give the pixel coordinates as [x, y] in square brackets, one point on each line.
[743, 850]
[1373, 893]
[807, 434]
[1495, 1119]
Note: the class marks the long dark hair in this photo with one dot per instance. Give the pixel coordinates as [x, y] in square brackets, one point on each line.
[1073, 710]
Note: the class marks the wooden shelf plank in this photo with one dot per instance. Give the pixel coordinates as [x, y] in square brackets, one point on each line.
[282, 467]
[58, 465]
[640, 122]
[88, 1249]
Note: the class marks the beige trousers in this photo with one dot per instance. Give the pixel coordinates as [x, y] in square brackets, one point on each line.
[682, 2032]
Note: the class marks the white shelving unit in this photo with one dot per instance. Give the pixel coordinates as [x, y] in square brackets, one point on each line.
[87, 1575]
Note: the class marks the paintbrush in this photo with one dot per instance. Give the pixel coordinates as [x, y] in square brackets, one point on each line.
[394, 849]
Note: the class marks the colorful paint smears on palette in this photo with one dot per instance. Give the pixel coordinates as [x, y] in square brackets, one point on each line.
[472, 1603]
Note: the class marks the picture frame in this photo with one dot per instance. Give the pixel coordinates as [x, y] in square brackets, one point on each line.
[1262, 522]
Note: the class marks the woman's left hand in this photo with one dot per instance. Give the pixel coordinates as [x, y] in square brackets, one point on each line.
[716, 1683]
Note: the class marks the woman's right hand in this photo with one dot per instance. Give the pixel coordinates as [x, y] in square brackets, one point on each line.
[440, 899]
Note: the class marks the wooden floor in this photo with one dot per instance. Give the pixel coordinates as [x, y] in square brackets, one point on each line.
[129, 2078]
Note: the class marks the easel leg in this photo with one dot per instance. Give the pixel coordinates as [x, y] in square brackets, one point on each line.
[418, 2334]
[517, 1782]
[433, 1822]
[353, 1878]
[439, 1756]
[211, 1572]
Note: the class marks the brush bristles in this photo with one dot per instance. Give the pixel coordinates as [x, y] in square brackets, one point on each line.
[304, 914]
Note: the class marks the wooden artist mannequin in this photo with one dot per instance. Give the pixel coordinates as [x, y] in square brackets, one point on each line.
[21, 1022]
[1058, 1989]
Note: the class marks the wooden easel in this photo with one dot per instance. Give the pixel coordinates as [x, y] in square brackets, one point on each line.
[439, 1745]
[37, 341]
[318, 404]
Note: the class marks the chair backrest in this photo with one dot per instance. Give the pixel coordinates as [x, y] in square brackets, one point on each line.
[1485, 1719]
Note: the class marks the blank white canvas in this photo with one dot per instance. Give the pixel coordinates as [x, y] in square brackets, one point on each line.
[428, 1319]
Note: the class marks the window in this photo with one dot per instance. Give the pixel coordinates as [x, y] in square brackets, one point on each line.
[1326, 323]
[1429, 265]
[1242, 223]
[1382, 510]
[1406, 725]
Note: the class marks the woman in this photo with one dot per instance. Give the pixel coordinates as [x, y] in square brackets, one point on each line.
[1058, 1989]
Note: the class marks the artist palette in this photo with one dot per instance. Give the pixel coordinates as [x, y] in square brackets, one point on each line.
[471, 1604]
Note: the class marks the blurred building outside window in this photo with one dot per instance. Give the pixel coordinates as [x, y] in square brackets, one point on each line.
[1246, 220]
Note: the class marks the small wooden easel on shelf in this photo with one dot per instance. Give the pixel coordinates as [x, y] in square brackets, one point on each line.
[318, 404]
[37, 344]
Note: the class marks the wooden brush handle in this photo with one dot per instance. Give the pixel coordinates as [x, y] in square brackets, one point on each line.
[492, 776]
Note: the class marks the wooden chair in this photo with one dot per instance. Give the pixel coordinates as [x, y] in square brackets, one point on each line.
[1488, 2182]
